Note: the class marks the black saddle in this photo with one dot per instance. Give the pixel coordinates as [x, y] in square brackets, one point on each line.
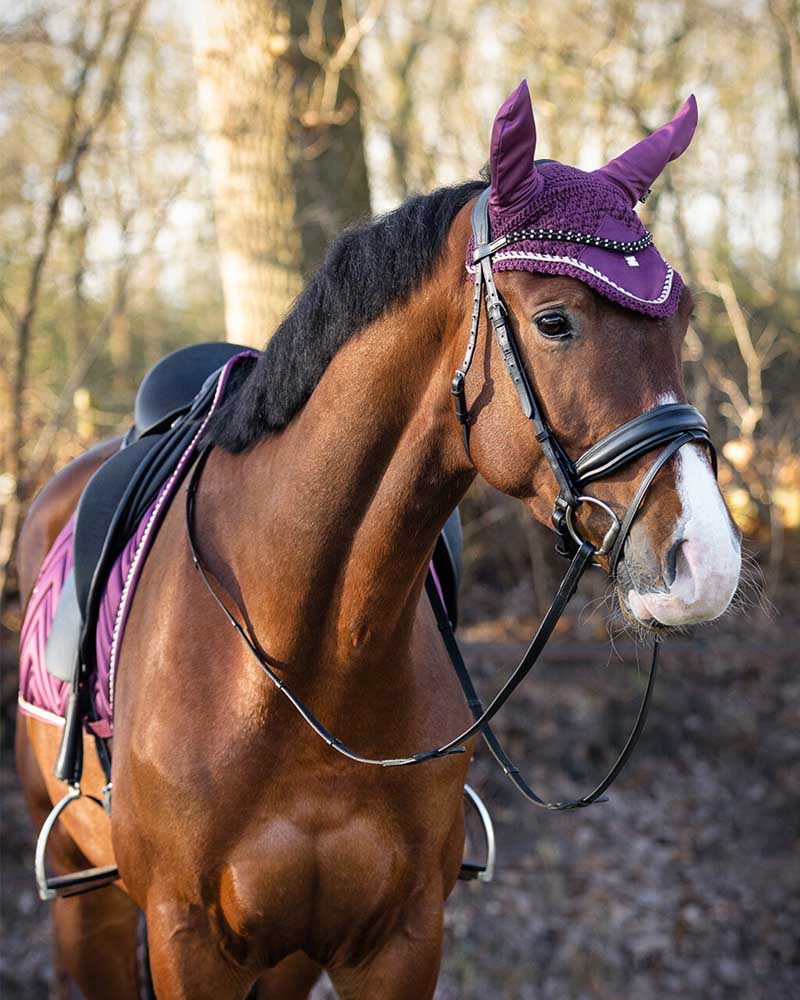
[172, 383]
[170, 404]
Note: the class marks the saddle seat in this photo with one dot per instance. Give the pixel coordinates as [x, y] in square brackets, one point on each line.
[172, 383]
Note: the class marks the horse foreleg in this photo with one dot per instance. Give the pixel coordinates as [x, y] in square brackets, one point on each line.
[94, 939]
[404, 967]
[187, 961]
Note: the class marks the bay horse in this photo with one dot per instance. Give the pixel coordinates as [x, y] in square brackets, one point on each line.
[259, 856]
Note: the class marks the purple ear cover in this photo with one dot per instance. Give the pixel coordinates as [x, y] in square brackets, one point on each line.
[636, 169]
[536, 202]
[515, 179]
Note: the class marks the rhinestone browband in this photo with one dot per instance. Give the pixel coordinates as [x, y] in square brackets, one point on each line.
[571, 236]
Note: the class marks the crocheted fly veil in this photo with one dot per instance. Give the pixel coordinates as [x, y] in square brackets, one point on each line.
[561, 220]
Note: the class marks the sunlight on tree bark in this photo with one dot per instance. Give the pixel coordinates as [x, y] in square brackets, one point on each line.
[285, 139]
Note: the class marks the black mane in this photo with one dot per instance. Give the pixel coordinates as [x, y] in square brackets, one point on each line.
[368, 269]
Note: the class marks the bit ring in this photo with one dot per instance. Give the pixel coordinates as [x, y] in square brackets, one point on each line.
[610, 536]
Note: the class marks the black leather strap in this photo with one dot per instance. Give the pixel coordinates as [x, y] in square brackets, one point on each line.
[490, 738]
[457, 386]
[635, 438]
[633, 507]
[582, 559]
[580, 562]
[556, 458]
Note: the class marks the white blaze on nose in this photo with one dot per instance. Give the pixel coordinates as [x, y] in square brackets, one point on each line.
[709, 558]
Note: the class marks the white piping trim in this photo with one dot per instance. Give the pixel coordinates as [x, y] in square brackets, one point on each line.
[555, 259]
[42, 714]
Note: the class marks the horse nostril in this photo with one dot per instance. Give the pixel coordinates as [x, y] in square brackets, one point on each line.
[671, 562]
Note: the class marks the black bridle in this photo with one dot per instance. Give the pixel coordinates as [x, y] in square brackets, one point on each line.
[671, 426]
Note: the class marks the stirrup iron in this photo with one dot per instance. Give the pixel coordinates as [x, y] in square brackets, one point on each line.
[77, 882]
[471, 870]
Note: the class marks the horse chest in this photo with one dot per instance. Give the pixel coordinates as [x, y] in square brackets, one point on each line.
[288, 886]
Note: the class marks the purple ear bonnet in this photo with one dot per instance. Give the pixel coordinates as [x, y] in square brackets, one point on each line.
[579, 224]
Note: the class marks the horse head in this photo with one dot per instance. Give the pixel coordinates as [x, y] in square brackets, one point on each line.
[598, 318]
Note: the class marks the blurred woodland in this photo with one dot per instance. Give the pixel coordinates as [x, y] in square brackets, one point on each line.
[138, 216]
[173, 173]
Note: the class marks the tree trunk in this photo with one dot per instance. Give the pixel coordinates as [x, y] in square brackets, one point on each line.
[287, 150]
[119, 341]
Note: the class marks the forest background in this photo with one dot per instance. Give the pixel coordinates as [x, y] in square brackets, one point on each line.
[173, 173]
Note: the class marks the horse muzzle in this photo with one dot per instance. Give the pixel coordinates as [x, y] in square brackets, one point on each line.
[695, 577]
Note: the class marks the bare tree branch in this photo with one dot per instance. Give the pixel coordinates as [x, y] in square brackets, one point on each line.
[42, 450]
[784, 16]
[74, 146]
[332, 64]
[754, 365]
[75, 143]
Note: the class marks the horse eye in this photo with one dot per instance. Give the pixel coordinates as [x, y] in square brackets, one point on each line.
[553, 325]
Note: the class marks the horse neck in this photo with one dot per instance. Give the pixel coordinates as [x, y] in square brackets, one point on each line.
[338, 514]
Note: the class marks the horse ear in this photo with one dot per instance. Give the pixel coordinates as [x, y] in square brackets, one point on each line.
[515, 178]
[635, 170]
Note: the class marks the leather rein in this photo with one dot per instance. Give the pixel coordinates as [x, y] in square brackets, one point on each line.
[669, 426]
